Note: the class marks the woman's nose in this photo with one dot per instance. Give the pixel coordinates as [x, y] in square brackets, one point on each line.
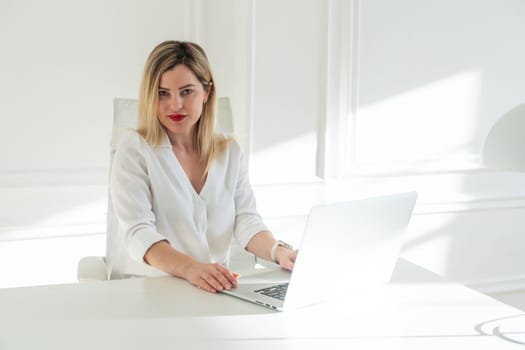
[176, 102]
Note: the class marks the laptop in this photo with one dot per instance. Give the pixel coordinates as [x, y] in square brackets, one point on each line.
[346, 247]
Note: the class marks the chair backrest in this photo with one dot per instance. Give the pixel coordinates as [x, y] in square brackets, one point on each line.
[504, 147]
[125, 115]
[125, 112]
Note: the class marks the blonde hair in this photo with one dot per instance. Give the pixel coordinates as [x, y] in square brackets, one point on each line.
[163, 58]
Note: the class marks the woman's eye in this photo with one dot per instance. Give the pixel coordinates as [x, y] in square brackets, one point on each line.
[186, 92]
[163, 93]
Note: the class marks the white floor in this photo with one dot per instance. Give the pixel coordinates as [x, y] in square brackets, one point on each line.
[54, 261]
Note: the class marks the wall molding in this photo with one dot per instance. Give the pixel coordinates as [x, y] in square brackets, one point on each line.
[97, 176]
[37, 207]
[194, 26]
[438, 192]
[52, 231]
[337, 157]
[429, 166]
[336, 150]
[464, 206]
[272, 204]
[340, 68]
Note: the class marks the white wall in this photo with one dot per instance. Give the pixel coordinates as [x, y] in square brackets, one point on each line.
[288, 75]
[438, 75]
[227, 37]
[330, 99]
[62, 63]
[375, 95]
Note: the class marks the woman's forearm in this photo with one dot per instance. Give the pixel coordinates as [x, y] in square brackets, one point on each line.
[212, 277]
[261, 244]
[162, 256]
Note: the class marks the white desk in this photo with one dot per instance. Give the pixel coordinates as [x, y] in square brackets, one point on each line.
[418, 310]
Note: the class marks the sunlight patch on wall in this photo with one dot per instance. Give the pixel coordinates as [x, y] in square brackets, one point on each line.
[432, 122]
[51, 218]
[86, 213]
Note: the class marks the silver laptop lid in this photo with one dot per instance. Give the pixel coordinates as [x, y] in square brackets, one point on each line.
[348, 247]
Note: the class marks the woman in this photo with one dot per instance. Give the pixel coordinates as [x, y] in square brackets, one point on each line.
[180, 192]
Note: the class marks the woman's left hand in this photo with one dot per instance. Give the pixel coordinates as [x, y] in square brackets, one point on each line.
[286, 257]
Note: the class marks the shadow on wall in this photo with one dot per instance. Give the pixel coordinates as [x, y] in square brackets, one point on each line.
[470, 247]
[481, 246]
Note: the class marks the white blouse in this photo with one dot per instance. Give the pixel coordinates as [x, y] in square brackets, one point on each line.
[153, 199]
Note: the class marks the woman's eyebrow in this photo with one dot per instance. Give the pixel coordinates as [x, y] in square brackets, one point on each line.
[186, 86]
[181, 88]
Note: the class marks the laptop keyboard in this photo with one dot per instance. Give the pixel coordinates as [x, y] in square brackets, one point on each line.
[278, 291]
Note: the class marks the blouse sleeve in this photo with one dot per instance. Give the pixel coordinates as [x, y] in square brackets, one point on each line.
[131, 198]
[248, 222]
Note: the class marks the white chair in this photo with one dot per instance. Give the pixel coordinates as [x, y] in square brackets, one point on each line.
[125, 113]
[504, 147]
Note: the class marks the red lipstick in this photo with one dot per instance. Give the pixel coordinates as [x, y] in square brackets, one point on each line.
[176, 117]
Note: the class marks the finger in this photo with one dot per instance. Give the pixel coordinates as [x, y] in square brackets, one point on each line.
[293, 256]
[235, 276]
[225, 284]
[287, 264]
[206, 286]
[230, 276]
[213, 282]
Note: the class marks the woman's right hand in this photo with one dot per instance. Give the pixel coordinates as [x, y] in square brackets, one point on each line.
[210, 277]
